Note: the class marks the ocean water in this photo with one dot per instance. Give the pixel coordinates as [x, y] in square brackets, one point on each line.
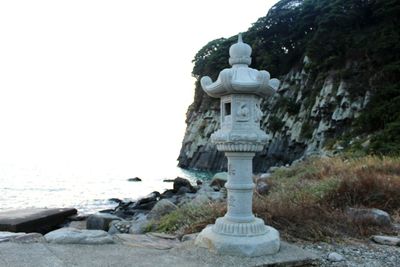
[86, 189]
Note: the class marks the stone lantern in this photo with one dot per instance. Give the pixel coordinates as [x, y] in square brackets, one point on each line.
[240, 88]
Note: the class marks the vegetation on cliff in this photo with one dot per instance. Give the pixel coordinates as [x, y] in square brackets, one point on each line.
[357, 41]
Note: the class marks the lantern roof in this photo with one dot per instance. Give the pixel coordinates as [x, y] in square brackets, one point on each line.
[240, 79]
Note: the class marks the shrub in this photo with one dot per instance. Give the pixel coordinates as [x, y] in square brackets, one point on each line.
[190, 218]
[275, 124]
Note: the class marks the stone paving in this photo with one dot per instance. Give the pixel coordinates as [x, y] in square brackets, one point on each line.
[128, 254]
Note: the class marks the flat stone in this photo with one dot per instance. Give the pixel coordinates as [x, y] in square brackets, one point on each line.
[29, 238]
[386, 240]
[21, 237]
[146, 241]
[39, 220]
[77, 236]
[7, 236]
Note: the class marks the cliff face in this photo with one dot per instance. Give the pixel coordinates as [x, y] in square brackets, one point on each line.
[308, 111]
[340, 83]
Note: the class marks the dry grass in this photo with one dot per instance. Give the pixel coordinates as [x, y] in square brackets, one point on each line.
[307, 201]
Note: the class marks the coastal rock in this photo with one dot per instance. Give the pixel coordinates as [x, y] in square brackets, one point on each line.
[200, 199]
[183, 190]
[136, 179]
[76, 236]
[115, 200]
[117, 227]
[77, 224]
[182, 182]
[219, 179]
[139, 225]
[386, 240]
[148, 202]
[162, 208]
[262, 188]
[335, 257]
[167, 194]
[206, 194]
[372, 216]
[100, 221]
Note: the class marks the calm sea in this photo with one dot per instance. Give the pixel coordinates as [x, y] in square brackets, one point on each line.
[87, 189]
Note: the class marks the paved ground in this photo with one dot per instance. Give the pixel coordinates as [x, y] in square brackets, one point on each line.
[49, 255]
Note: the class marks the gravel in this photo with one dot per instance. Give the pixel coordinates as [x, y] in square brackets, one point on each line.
[355, 253]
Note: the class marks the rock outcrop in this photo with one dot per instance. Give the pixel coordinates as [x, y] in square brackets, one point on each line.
[309, 111]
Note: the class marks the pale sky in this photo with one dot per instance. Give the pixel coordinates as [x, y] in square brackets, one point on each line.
[104, 82]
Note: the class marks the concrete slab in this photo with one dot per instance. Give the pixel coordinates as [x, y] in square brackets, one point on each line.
[38, 220]
[186, 255]
[28, 255]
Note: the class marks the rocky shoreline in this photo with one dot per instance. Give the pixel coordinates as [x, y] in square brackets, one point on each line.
[130, 223]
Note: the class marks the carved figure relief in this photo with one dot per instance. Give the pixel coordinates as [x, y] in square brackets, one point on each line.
[243, 112]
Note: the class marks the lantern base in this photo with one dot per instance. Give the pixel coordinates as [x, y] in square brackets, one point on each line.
[248, 246]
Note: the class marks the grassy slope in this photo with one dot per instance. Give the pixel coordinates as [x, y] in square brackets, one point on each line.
[308, 200]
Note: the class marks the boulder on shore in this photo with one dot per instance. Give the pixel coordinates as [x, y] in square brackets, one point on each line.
[372, 216]
[163, 207]
[76, 236]
[182, 182]
[386, 240]
[219, 180]
[100, 221]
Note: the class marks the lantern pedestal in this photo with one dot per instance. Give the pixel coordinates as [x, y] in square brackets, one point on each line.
[247, 246]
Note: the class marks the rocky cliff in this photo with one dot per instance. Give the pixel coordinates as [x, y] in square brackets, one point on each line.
[327, 101]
